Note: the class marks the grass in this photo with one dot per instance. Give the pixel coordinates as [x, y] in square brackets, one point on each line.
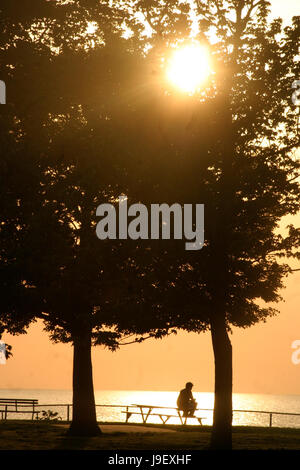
[26, 435]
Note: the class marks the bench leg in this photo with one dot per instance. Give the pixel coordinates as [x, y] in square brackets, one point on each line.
[183, 419]
[180, 417]
[164, 420]
[148, 414]
[145, 415]
[144, 419]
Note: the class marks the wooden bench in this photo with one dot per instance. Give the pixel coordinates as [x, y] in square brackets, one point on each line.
[17, 405]
[162, 415]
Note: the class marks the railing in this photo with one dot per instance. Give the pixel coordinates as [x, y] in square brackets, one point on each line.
[67, 411]
[270, 413]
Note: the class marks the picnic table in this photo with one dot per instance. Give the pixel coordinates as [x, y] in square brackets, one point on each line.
[145, 411]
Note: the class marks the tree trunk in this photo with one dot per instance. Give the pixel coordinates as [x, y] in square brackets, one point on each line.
[84, 422]
[221, 437]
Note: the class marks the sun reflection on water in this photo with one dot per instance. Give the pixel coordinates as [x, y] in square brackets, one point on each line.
[166, 399]
[241, 401]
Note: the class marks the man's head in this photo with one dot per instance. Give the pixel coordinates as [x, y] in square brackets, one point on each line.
[189, 385]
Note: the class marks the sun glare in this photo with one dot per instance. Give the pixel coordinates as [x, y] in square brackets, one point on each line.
[189, 67]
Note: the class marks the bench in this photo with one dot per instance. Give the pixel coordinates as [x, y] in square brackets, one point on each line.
[162, 415]
[17, 405]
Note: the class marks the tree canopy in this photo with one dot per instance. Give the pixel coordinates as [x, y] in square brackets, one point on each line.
[90, 116]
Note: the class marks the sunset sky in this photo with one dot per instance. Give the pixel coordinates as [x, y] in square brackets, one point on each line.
[261, 355]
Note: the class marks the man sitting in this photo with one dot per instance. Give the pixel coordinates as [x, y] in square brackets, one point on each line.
[186, 401]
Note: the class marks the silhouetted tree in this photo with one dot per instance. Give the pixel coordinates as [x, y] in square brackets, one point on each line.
[64, 139]
[108, 126]
[237, 156]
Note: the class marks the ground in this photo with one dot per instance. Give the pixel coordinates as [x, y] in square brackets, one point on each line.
[26, 435]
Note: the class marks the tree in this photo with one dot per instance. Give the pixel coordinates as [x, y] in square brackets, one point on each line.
[234, 151]
[62, 273]
[245, 130]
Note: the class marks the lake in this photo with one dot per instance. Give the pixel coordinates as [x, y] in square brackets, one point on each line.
[52, 399]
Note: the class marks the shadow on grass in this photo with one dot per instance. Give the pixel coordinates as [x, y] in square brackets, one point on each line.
[27, 435]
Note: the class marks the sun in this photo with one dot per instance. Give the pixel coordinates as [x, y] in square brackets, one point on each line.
[189, 67]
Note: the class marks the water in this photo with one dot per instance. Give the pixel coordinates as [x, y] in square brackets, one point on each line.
[53, 399]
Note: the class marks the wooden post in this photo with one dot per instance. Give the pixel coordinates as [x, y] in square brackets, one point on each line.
[5, 415]
[68, 413]
[270, 420]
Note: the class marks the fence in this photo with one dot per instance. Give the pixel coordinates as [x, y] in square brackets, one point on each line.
[113, 413]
